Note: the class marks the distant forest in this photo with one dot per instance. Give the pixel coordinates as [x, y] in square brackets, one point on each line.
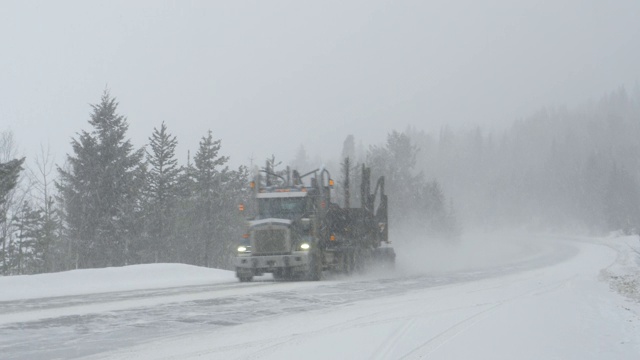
[111, 204]
[559, 169]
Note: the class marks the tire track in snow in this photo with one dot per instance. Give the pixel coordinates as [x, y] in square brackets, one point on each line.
[115, 323]
[443, 337]
[385, 350]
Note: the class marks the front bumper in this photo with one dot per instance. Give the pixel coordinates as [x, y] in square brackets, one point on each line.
[270, 263]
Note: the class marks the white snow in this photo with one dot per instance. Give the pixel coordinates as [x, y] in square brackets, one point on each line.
[92, 281]
[581, 305]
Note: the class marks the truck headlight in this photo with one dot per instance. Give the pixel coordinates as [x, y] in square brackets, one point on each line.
[242, 249]
[304, 246]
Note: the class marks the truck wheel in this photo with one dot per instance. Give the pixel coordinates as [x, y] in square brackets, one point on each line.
[282, 274]
[244, 277]
[385, 258]
[315, 266]
[390, 263]
[358, 262]
[349, 261]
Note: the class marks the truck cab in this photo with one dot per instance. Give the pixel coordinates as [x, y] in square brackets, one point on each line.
[280, 238]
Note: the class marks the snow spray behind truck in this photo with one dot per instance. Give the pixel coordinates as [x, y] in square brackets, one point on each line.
[295, 231]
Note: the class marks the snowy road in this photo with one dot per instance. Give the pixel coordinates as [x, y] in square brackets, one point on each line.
[542, 298]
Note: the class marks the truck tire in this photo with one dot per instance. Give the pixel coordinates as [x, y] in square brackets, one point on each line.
[243, 277]
[385, 258]
[282, 274]
[358, 261]
[349, 261]
[315, 266]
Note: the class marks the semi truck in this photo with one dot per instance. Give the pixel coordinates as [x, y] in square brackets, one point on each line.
[295, 231]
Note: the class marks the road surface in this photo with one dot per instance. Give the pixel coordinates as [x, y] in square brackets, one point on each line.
[544, 297]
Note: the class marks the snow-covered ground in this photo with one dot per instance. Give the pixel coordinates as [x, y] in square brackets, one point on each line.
[93, 281]
[497, 297]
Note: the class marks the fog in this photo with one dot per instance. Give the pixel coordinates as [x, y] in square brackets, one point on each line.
[266, 77]
[481, 116]
[475, 254]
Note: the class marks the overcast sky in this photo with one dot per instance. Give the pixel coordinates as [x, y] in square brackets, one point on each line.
[267, 76]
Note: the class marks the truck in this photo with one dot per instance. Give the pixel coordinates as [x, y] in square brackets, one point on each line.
[295, 231]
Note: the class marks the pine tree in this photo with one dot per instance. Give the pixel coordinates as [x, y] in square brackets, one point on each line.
[101, 189]
[229, 222]
[43, 200]
[186, 245]
[161, 193]
[348, 172]
[412, 200]
[349, 148]
[50, 229]
[622, 201]
[208, 174]
[396, 161]
[9, 174]
[301, 160]
[28, 254]
[272, 176]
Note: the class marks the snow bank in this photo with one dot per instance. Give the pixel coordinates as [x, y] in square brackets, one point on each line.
[559, 310]
[91, 281]
[624, 274]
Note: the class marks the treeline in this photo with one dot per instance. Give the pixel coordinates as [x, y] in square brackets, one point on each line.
[557, 169]
[112, 204]
[417, 203]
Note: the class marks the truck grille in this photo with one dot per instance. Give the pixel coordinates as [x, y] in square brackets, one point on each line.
[269, 241]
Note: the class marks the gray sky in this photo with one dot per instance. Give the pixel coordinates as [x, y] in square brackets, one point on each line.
[266, 76]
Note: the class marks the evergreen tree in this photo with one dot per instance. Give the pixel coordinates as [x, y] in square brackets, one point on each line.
[412, 201]
[273, 176]
[101, 189]
[349, 174]
[592, 189]
[433, 211]
[43, 200]
[622, 202]
[396, 161]
[47, 244]
[349, 148]
[161, 194]
[208, 174]
[186, 245]
[9, 173]
[29, 247]
[229, 222]
[301, 160]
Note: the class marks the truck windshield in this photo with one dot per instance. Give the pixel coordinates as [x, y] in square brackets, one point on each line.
[282, 208]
